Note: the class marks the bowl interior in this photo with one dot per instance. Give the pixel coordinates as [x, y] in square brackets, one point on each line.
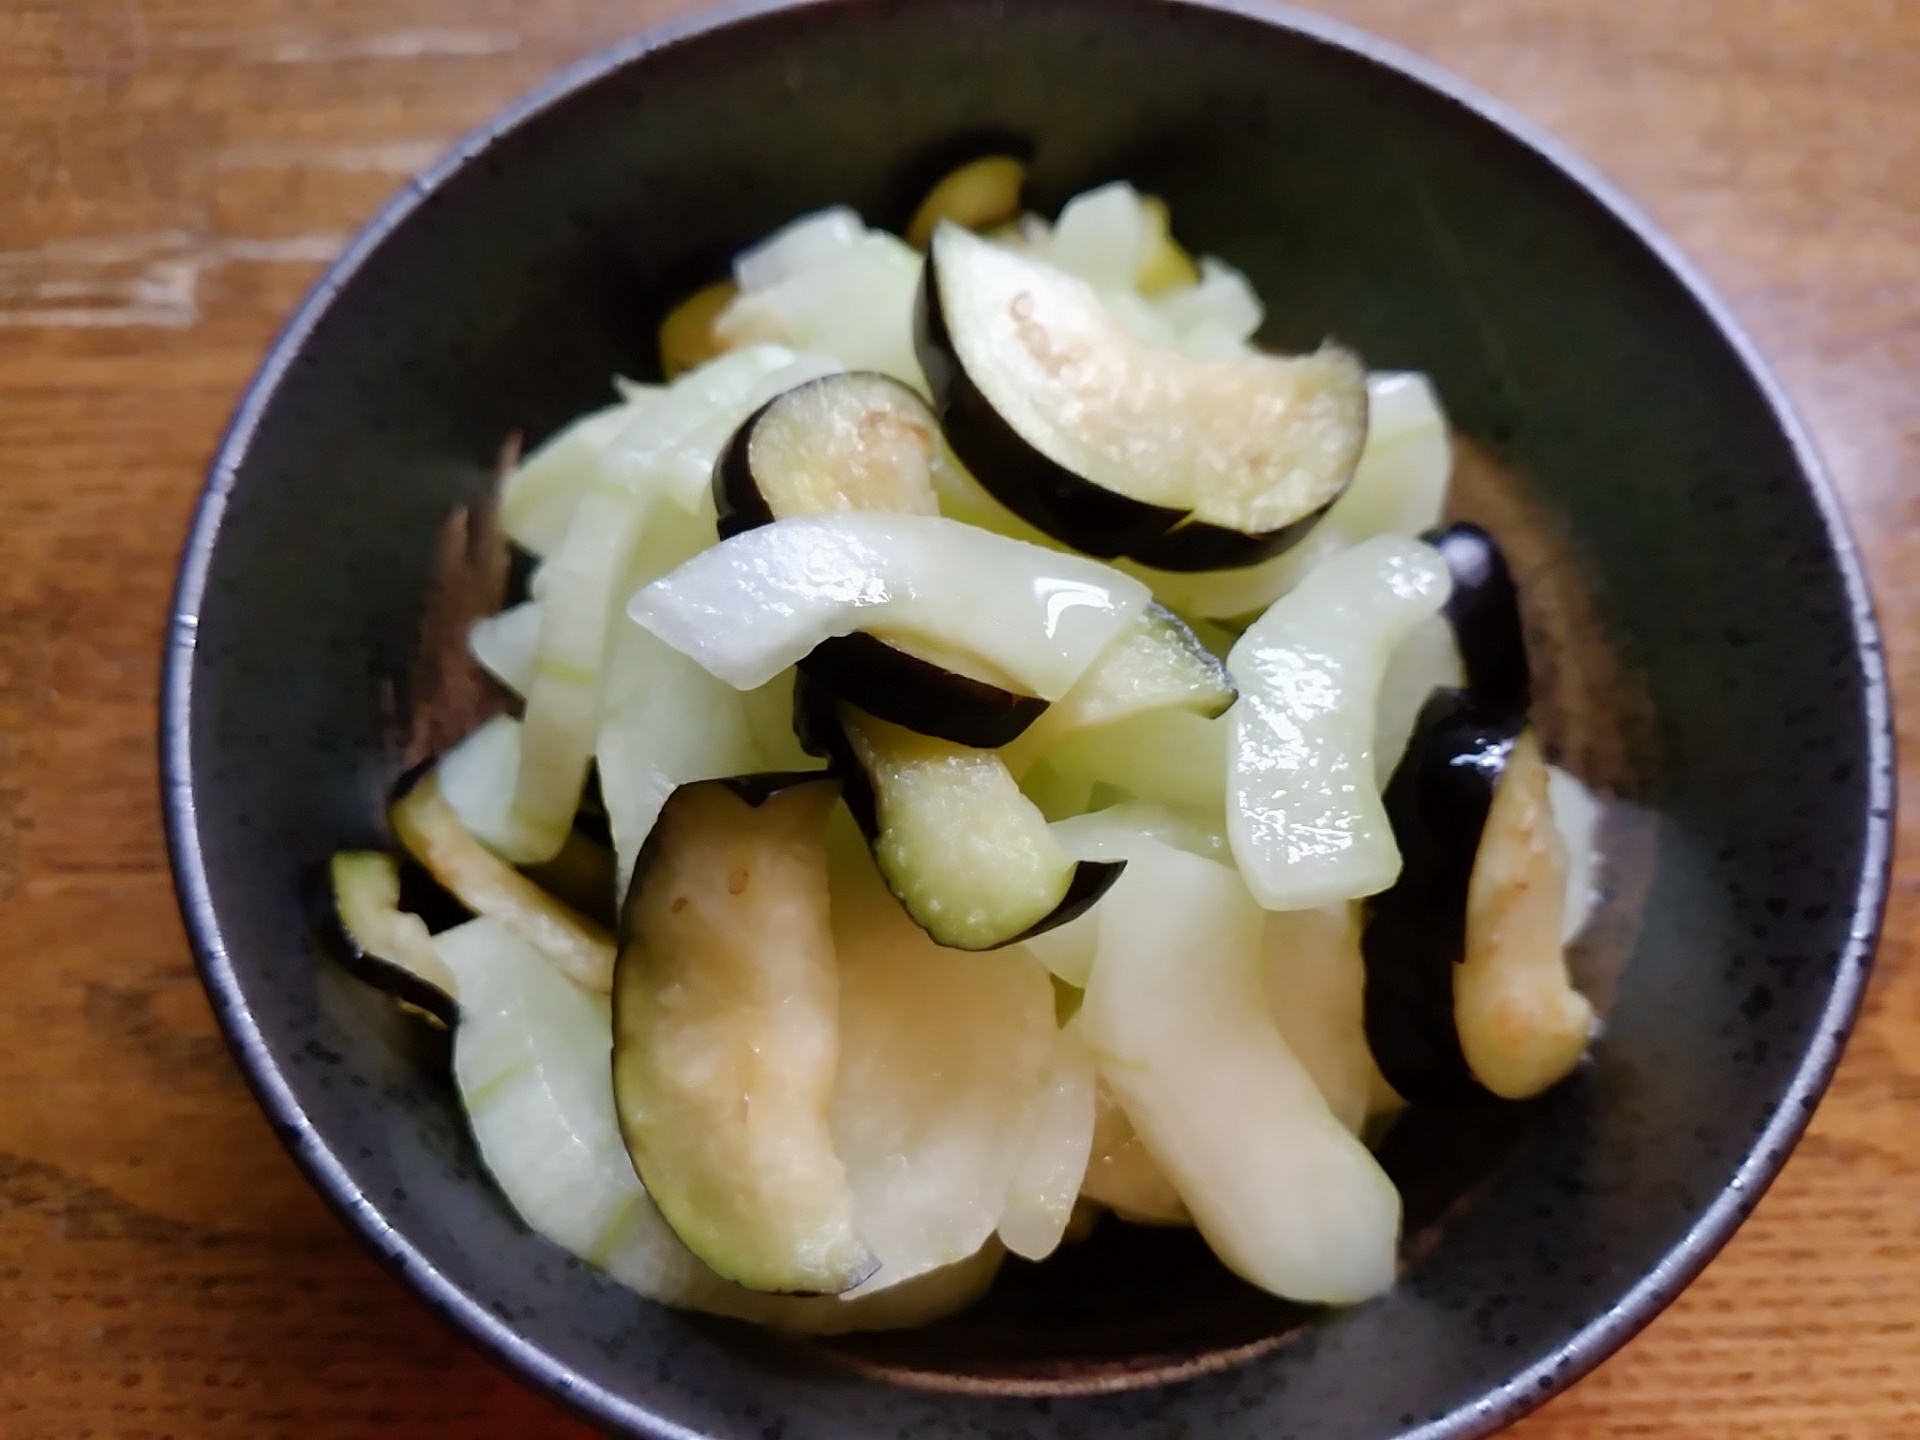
[1667, 491]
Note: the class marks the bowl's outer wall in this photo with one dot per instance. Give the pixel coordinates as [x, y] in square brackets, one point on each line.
[1362, 206]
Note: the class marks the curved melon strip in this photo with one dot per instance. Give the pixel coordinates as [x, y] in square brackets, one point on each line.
[1180, 1030]
[1121, 1175]
[666, 722]
[755, 604]
[1316, 985]
[943, 1054]
[662, 462]
[531, 1057]
[540, 495]
[1053, 1163]
[505, 644]
[1304, 813]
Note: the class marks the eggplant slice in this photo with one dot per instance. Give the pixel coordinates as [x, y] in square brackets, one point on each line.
[363, 925]
[966, 853]
[865, 442]
[1117, 448]
[1467, 993]
[1484, 611]
[726, 1035]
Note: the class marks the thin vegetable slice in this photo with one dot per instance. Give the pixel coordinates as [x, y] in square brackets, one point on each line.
[862, 442]
[432, 833]
[1121, 1175]
[1284, 1194]
[531, 1057]
[1053, 1162]
[1522, 1024]
[943, 1056]
[755, 604]
[666, 722]
[969, 856]
[1156, 663]
[725, 1036]
[1467, 988]
[1304, 812]
[830, 286]
[1316, 985]
[373, 937]
[1117, 447]
[642, 474]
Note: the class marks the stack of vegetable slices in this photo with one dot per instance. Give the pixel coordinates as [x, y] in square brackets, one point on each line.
[994, 748]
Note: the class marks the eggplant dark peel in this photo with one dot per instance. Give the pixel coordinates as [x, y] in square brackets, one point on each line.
[1116, 447]
[1484, 611]
[966, 853]
[432, 833]
[856, 441]
[1467, 992]
[726, 1035]
[384, 945]
[865, 442]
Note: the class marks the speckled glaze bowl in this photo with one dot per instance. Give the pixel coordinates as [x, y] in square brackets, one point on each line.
[1711, 655]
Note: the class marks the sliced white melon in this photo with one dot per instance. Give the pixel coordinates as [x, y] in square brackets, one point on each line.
[1053, 1162]
[505, 644]
[844, 295]
[1304, 812]
[662, 463]
[666, 722]
[1122, 1175]
[1425, 661]
[755, 604]
[476, 778]
[1316, 984]
[539, 497]
[943, 1054]
[798, 246]
[531, 1059]
[1170, 757]
[1285, 1195]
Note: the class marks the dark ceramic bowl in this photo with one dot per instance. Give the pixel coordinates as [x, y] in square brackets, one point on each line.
[1720, 669]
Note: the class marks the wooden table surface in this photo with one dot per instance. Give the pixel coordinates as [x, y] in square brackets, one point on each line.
[172, 175]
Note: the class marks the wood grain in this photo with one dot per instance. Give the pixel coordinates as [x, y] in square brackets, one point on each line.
[174, 171]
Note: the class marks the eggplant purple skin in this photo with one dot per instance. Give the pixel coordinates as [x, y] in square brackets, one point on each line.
[1197, 545]
[1484, 611]
[375, 970]
[905, 690]
[1415, 932]
[738, 504]
[1092, 519]
[877, 677]
[816, 725]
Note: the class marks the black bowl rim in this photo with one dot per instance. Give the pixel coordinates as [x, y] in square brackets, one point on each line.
[1507, 1402]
